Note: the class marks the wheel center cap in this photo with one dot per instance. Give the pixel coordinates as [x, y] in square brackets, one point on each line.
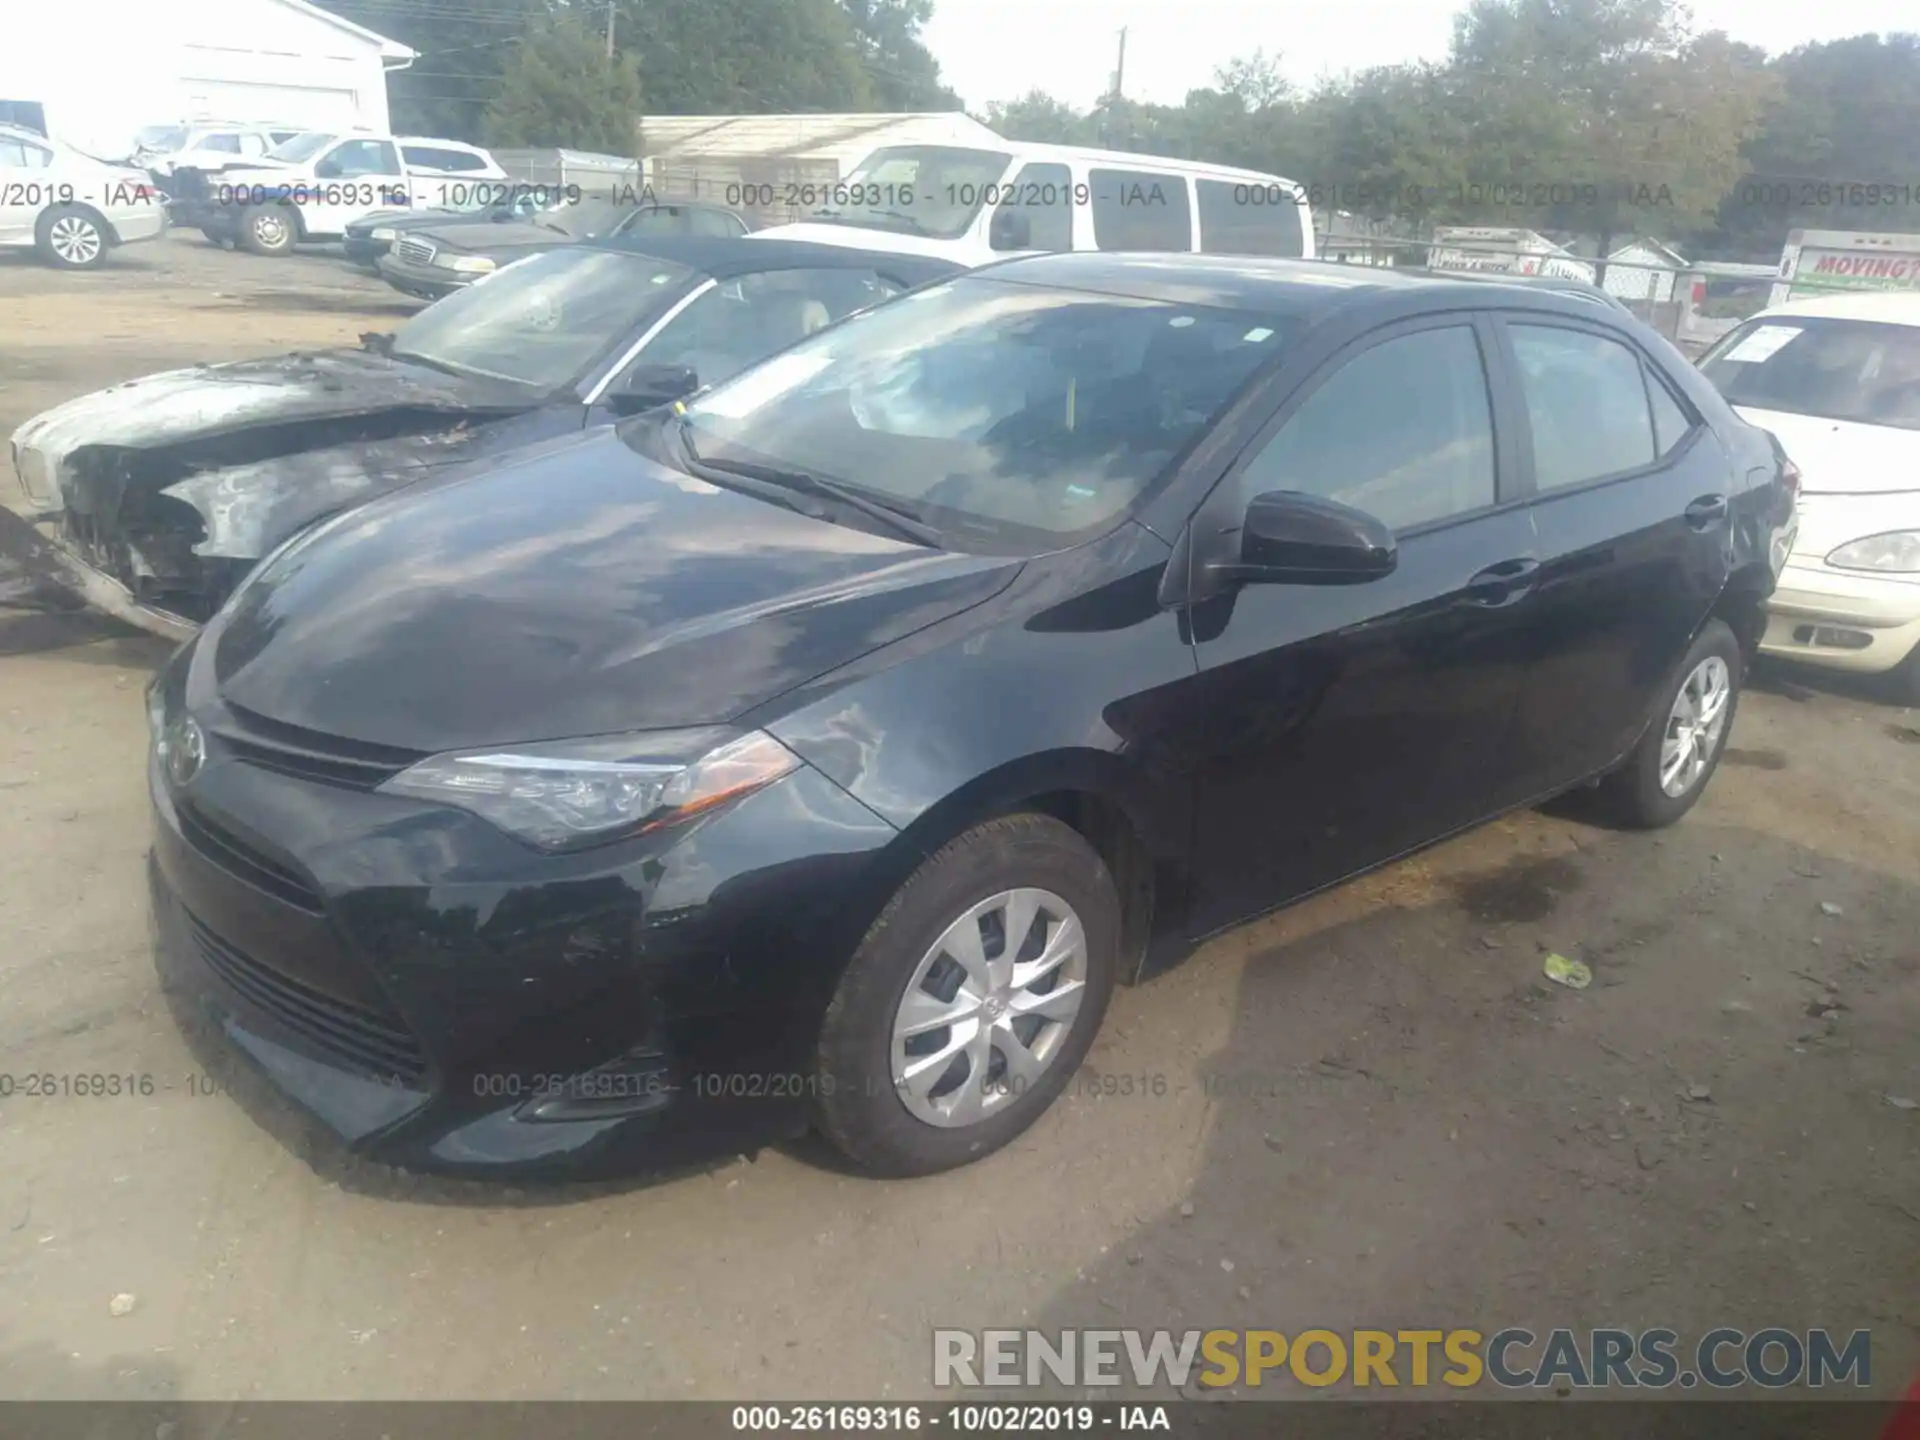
[995, 1007]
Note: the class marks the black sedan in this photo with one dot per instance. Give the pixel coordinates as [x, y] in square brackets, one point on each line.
[162, 492]
[371, 236]
[430, 261]
[826, 749]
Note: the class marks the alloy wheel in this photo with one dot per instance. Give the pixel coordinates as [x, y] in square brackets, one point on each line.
[1694, 724]
[270, 231]
[75, 239]
[989, 1007]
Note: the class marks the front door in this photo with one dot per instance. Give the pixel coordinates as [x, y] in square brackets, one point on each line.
[354, 177]
[1345, 724]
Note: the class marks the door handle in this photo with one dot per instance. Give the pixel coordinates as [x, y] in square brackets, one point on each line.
[1707, 511]
[1503, 584]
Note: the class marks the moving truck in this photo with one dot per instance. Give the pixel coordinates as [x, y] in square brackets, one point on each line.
[1824, 262]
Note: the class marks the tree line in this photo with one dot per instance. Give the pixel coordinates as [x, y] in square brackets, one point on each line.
[1603, 118]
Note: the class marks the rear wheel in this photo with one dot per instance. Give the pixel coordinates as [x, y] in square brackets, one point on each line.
[72, 238]
[268, 229]
[1670, 767]
[971, 1001]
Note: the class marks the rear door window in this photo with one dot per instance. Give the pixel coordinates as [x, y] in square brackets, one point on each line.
[1250, 218]
[1586, 405]
[1140, 210]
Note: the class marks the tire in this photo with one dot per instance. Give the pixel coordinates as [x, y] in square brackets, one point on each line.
[1000, 866]
[1638, 794]
[268, 230]
[72, 238]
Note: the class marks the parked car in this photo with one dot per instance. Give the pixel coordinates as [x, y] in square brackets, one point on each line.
[826, 748]
[429, 261]
[162, 492]
[315, 185]
[975, 205]
[206, 147]
[1838, 381]
[69, 206]
[372, 236]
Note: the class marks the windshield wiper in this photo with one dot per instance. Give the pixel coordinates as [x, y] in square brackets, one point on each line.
[842, 217]
[805, 482]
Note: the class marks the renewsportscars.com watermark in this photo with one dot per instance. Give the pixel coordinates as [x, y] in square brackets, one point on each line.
[1513, 1358]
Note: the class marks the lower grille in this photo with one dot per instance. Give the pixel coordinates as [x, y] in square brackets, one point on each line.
[415, 252]
[378, 1044]
[242, 861]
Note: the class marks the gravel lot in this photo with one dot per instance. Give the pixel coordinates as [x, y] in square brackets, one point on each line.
[1370, 1110]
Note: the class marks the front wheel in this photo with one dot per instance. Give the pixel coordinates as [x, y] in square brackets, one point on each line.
[1669, 769]
[267, 229]
[71, 238]
[972, 1000]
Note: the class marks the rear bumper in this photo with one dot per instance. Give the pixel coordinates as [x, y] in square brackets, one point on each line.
[1866, 624]
[140, 222]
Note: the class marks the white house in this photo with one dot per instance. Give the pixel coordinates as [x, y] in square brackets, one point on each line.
[96, 71]
[1643, 269]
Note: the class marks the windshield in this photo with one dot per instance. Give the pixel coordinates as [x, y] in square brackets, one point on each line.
[917, 190]
[1834, 369]
[544, 321]
[301, 147]
[1010, 417]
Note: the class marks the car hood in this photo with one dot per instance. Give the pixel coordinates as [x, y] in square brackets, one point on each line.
[1844, 457]
[177, 407]
[489, 236]
[582, 588]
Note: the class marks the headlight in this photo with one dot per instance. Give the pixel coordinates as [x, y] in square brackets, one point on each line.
[470, 265]
[569, 794]
[383, 232]
[1895, 553]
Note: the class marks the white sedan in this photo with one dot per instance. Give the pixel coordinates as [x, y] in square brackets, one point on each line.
[70, 206]
[1837, 381]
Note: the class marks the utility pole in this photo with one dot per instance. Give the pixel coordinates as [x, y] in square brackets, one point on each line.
[610, 5]
[1113, 93]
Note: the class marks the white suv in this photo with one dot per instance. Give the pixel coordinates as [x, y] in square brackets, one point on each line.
[211, 146]
[69, 206]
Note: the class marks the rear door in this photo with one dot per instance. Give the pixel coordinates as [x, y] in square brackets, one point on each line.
[1632, 497]
[1345, 724]
[1139, 209]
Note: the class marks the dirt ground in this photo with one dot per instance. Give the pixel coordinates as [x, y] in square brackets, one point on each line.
[1371, 1110]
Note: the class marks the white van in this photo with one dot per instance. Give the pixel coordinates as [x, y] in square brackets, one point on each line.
[974, 205]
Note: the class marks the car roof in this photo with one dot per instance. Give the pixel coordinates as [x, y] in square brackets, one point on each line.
[724, 256]
[1886, 307]
[1302, 288]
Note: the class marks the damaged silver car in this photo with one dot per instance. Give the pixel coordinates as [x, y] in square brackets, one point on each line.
[152, 500]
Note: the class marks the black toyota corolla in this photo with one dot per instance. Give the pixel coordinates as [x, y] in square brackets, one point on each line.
[825, 752]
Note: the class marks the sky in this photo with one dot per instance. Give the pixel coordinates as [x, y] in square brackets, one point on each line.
[1000, 49]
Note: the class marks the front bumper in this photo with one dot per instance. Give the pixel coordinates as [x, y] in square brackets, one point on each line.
[1843, 620]
[423, 282]
[33, 566]
[419, 982]
[365, 253]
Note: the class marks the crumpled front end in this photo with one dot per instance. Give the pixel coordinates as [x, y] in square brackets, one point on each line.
[151, 501]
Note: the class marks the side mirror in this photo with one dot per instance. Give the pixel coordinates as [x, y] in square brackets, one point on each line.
[1294, 539]
[1009, 229]
[645, 387]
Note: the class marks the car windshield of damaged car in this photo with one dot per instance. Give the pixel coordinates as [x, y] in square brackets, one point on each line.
[303, 147]
[917, 190]
[544, 321]
[1009, 418]
[1814, 365]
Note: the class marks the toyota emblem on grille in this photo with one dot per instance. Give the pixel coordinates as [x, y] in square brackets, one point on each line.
[186, 750]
